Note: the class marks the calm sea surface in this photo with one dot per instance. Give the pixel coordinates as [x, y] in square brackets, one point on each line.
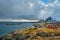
[7, 27]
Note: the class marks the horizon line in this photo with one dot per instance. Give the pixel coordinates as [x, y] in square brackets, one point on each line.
[17, 20]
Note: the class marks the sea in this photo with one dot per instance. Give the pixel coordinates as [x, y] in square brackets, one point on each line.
[7, 27]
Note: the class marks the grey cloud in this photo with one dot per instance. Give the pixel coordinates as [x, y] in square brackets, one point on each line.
[20, 9]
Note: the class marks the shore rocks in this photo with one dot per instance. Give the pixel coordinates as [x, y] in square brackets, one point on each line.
[33, 34]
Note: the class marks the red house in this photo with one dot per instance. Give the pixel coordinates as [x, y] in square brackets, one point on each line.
[51, 26]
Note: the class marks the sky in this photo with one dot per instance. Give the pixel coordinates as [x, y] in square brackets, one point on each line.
[29, 9]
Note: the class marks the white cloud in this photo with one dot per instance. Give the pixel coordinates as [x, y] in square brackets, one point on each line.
[31, 5]
[39, 2]
[43, 12]
[46, 12]
[49, 9]
[49, 2]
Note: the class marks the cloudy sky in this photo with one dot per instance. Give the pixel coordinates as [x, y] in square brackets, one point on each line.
[29, 9]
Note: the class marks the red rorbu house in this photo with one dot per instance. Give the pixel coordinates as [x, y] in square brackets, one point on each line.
[51, 26]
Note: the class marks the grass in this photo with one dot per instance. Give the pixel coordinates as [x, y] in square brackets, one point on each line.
[34, 34]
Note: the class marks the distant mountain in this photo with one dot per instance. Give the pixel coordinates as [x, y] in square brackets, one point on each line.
[49, 19]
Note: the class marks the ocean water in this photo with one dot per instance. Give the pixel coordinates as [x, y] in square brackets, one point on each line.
[7, 27]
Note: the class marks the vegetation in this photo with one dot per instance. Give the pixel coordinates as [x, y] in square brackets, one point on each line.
[34, 34]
